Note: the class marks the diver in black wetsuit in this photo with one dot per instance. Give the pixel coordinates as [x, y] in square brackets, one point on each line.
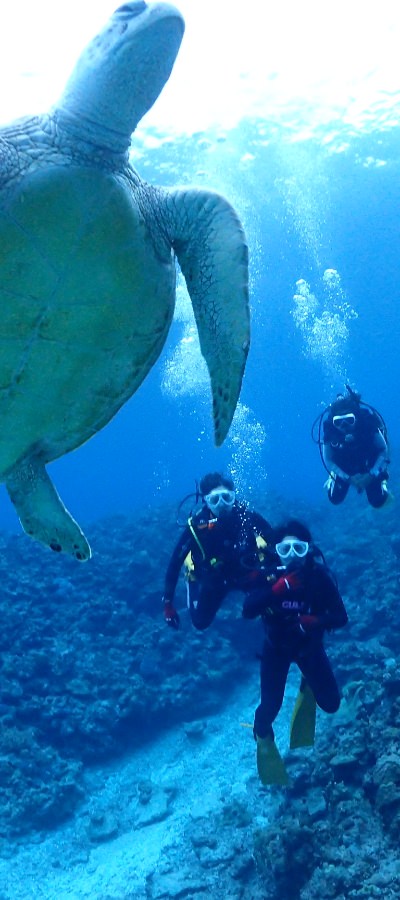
[213, 545]
[300, 602]
[354, 449]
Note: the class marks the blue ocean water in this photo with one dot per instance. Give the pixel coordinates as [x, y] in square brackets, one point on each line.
[320, 211]
[321, 219]
[316, 186]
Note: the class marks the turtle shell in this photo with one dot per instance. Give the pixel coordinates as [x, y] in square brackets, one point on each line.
[86, 303]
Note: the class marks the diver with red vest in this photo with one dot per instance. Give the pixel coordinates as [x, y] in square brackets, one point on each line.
[298, 604]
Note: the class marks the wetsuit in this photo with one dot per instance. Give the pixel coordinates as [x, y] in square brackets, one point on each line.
[317, 597]
[218, 548]
[362, 451]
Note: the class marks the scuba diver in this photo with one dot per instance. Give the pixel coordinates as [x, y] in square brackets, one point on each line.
[298, 604]
[215, 545]
[354, 449]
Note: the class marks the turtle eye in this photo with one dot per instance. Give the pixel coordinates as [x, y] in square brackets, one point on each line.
[132, 9]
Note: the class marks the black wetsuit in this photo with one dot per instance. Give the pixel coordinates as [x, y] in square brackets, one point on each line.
[363, 450]
[286, 643]
[218, 549]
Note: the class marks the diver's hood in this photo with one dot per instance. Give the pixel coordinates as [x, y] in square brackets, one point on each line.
[343, 406]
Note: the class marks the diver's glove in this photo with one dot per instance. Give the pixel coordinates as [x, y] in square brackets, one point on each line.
[334, 474]
[378, 471]
[255, 604]
[289, 582]
[170, 615]
[308, 624]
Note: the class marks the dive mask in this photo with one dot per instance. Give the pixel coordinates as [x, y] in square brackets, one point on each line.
[343, 423]
[289, 549]
[220, 500]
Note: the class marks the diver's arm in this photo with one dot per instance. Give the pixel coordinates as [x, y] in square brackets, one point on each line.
[334, 614]
[328, 456]
[256, 603]
[382, 461]
[178, 557]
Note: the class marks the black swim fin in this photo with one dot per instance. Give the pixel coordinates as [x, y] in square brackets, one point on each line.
[302, 726]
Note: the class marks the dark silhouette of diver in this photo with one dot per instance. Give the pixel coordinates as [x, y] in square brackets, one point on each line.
[354, 448]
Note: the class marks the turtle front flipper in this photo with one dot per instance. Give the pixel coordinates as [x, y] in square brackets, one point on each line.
[211, 249]
[42, 513]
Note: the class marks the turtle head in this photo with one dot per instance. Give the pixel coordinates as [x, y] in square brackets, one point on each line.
[121, 73]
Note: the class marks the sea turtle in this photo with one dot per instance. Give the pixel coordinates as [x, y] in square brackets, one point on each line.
[87, 267]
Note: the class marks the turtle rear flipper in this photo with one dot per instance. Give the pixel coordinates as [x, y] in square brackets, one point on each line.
[42, 513]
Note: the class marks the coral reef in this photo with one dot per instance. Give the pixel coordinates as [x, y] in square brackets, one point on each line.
[88, 668]
[89, 672]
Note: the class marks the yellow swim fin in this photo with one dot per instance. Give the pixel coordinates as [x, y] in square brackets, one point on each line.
[270, 765]
[302, 726]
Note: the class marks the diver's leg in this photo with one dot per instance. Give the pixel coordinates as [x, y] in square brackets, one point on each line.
[337, 489]
[317, 670]
[204, 600]
[274, 671]
[377, 490]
